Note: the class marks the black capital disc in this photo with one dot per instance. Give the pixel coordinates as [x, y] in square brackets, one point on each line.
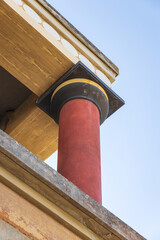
[79, 90]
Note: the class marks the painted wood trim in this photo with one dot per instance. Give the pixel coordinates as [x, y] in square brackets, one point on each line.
[73, 36]
[78, 35]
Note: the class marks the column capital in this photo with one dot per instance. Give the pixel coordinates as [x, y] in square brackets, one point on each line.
[89, 85]
[79, 88]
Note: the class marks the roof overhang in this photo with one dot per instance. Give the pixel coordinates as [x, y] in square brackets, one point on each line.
[37, 47]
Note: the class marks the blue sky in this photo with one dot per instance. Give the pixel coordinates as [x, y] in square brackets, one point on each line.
[127, 32]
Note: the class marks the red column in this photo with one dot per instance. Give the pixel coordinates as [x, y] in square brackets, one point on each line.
[79, 146]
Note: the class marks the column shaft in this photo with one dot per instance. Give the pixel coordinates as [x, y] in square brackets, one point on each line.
[79, 146]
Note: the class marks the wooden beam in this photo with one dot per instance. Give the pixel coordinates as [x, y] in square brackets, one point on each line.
[34, 129]
[31, 55]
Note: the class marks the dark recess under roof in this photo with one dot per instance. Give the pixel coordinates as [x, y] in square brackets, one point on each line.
[12, 93]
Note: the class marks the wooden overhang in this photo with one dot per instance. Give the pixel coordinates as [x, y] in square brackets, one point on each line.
[37, 47]
[41, 203]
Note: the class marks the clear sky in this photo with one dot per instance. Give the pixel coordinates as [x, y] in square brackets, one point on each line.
[127, 32]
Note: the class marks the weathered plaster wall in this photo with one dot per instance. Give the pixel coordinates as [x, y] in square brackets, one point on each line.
[28, 219]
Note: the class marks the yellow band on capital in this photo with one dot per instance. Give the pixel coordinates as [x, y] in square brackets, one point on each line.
[80, 80]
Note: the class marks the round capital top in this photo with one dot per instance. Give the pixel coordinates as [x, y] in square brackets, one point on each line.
[79, 88]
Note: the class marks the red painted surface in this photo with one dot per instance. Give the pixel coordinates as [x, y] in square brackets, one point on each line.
[79, 146]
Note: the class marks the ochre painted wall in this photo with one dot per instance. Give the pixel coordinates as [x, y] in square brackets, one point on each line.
[30, 220]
